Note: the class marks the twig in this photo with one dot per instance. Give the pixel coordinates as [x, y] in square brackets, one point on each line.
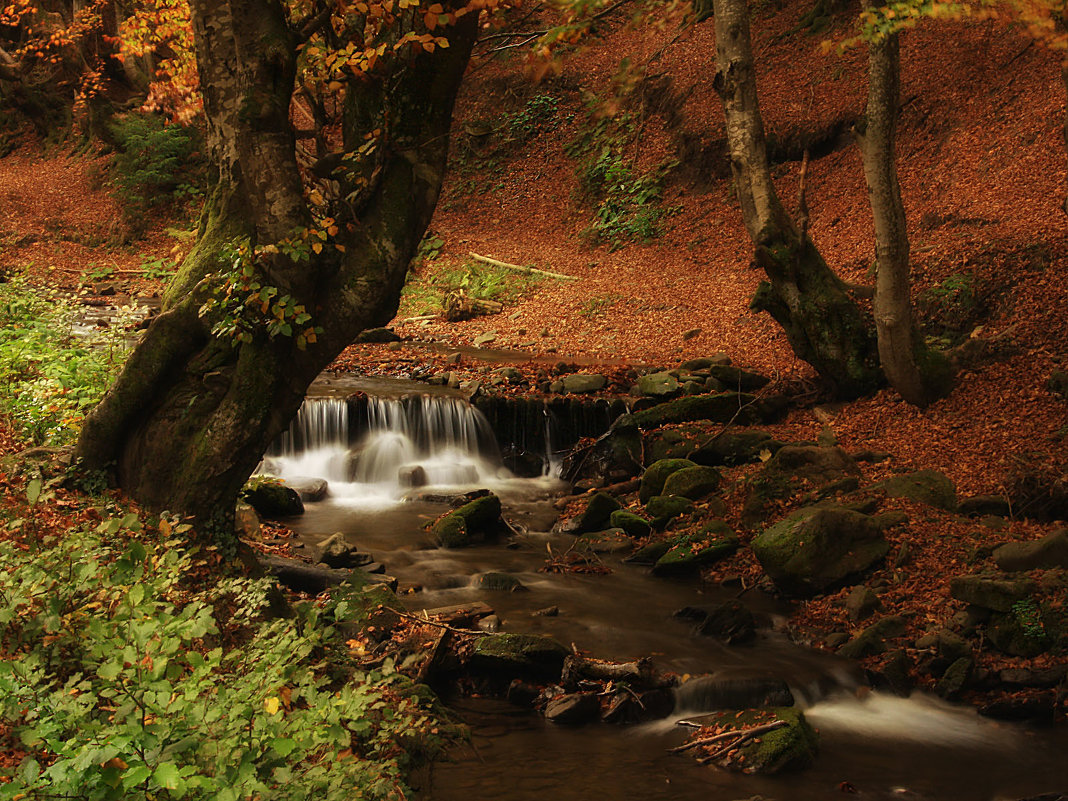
[430, 622]
[521, 268]
[747, 735]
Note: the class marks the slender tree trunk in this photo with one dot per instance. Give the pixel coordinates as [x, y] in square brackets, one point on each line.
[192, 412]
[901, 348]
[823, 324]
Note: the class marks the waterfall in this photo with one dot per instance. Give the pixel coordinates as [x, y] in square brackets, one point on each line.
[377, 449]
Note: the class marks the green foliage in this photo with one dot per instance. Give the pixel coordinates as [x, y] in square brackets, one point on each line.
[951, 307]
[425, 292]
[627, 199]
[538, 114]
[155, 162]
[122, 682]
[157, 269]
[1029, 616]
[51, 373]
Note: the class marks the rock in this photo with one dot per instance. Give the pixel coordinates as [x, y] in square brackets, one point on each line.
[1049, 552]
[334, 551]
[731, 622]
[705, 362]
[615, 456]
[649, 554]
[580, 383]
[1023, 677]
[894, 675]
[1038, 707]
[596, 515]
[549, 611]
[246, 521]
[736, 379]
[736, 447]
[522, 693]
[983, 505]
[412, 476]
[673, 443]
[926, 486]
[574, 709]
[657, 474]
[665, 508]
[485, 339]
[861, 603]
[693, 483]
[474, 522]
[783, 474]
[872, 640]
[309, 489]
[998, 595]
[633, 525]
[1020, 632]
[789, 747]
[710, 693]
[658, 385]
[689, 552]
[490, 624]
[520, 654]
[817, 547]
[499, 582]
[272, 498]
[377, 336]
[625, 708]
[721, 408]
[609, 541]
[955, 679]
[510, 375]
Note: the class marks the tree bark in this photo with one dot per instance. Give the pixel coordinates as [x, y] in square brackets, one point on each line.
[192, 412]
[823, 324]
[901, 347]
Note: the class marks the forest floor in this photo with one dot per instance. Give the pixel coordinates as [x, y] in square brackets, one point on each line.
[983, 173]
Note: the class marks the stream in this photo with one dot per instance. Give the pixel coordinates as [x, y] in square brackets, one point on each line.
[409, 442]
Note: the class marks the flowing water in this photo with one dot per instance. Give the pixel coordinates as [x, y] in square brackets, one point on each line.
[383, 455]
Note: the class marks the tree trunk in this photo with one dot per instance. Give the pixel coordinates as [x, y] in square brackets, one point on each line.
[823, 324]
[192, 412]
[901, 347]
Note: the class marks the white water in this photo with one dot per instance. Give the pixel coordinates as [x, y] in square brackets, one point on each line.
[425, 442]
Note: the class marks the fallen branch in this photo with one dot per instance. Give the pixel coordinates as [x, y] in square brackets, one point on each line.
[429, 622]
[746, 735]
[521, 268]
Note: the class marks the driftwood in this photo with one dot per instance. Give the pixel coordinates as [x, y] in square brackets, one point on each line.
[638, 673]
[521, 268]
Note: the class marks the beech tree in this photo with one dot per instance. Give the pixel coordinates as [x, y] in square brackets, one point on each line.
[304, 240]
[823, 324]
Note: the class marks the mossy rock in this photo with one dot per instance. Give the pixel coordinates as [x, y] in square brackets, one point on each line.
[597, 514]
[1016, 635]
[272, 499]
[361, 605]
[787, 748]
[735, 447]
[690, 552]
[925, 486]
[657, 473]
[1049, 552]
[499, 582]
[665, 508]
[692, 482]
[658, 385]
[609, 541]
[674, 443]
[734, 378]
[650, 553]
[783, 474]
[818, 547]
[519, 655]
[473, 523]
[634, 525]
[723, 407]
[872, 640]
[998, 595]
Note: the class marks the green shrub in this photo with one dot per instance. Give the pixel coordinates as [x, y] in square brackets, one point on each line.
[424, 293]
[121, 681]
[155, 162]
[51, 373]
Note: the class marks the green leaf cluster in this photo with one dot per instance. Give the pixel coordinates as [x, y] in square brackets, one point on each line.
[122, 682]
[53, 367]
[155, 162]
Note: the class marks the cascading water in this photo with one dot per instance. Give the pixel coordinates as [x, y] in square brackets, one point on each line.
[389, 447]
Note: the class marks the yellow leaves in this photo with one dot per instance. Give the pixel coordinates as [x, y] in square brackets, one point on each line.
[270, 705]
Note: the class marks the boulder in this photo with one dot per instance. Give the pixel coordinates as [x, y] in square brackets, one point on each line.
[782, 475]
[657, 474]
[271, 498]
[521, 655]
[731, 622]
[1047, 553]
[724, 407]
[335, 551]
[615, 456]
[499, 582]
[596, 515]
[376, 336]
[1020, 632]
[309, 489]
[736, 379]
[704, 362]
[817, 547]
[412, 476]
[665, 508]
[649, 554]
[985, 505]
[861, 603]
[998, 595]
[925, 486]
[477, 521]
[673, 443]
[634, 525]
[613, 540]
[692, 482]
[690, 552]
[658, 385]
[872, 640]
[582, 383]
[735, 447]
[956, 678]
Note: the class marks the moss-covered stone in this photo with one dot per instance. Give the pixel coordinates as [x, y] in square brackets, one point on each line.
[634, 525]
[734, 378]
[999, 595]
[657, 474]
[272, 498]
[689, 552]
[792, 746]
[609, 541]
[925, 486]
[665, 508]
[518, 654]
[474, 522]
[872, 640]
[650, 553]
[499, 582]
[817, 547]
[597, 514]
[673, 443]
[658, 385]
[735, 447]
[720, 408]
[692, 482]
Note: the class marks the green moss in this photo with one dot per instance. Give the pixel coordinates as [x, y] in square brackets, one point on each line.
[450, 531]
[657, 474]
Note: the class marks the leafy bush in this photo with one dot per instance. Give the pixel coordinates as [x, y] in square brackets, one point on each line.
[122, 681]
[51, 373]
[155, 162]
[425, 292]
[538, 114]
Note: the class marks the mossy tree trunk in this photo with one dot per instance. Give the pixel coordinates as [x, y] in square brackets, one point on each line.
[192, 412]
[919, 376]
[823, 324]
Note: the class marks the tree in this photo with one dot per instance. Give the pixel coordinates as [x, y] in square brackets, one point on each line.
[918, 374]
[823, 324]
[295, 254]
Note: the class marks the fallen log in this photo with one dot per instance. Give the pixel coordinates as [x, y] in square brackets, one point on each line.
[522, 268]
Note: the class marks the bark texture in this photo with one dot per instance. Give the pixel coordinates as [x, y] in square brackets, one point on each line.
[823, 324]
[918, 375]
[192, 413]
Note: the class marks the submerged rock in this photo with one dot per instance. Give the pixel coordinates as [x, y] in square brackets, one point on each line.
[474, 522]
[711, 693]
